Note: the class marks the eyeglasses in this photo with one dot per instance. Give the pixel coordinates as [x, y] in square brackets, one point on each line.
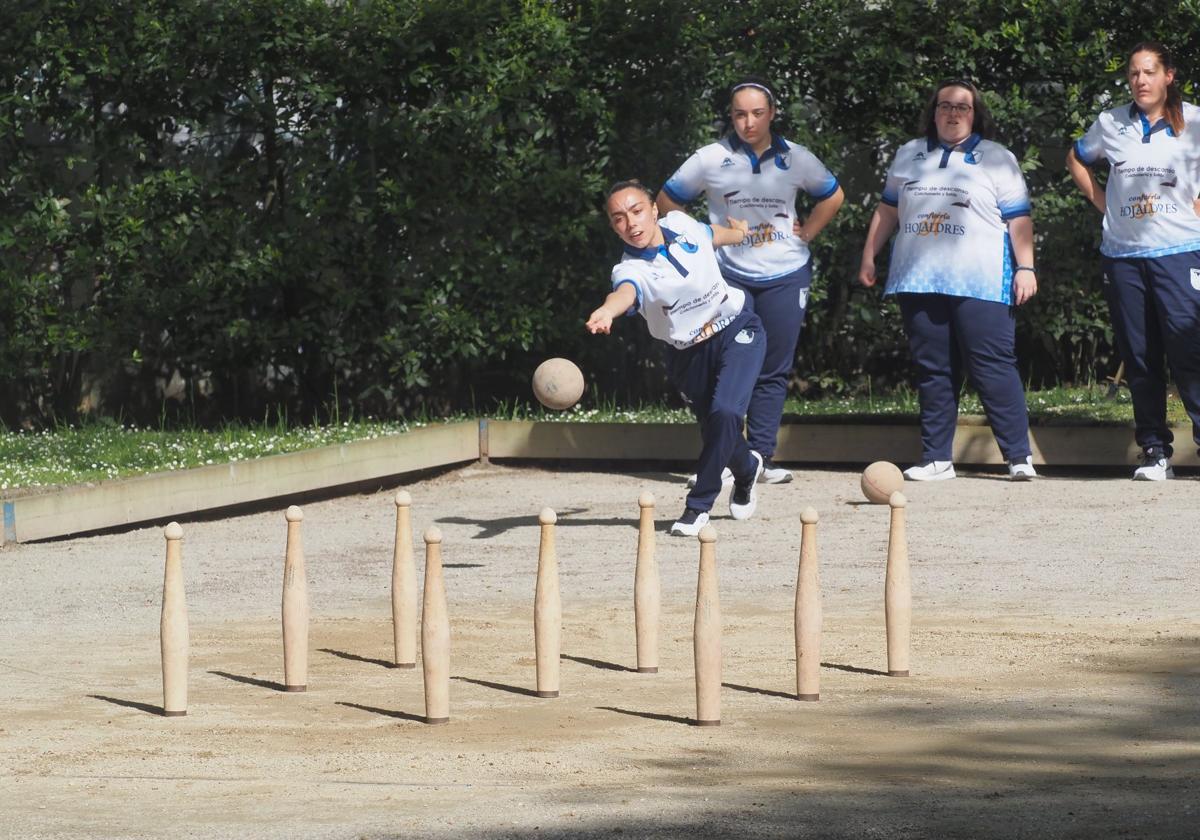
[960, 108]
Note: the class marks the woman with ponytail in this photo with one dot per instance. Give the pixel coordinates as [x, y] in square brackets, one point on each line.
[1151, 243]
[752, 173]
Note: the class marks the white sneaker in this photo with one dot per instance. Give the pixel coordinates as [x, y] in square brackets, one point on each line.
[726, 478]
[1021, 469]
[1155, 467]
[690, 523]
[930, 471]
[774, 474]
[744, 498]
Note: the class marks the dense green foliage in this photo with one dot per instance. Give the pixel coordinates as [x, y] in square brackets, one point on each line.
[249, 205]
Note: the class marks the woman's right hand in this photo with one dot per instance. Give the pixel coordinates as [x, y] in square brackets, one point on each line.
[866, 272]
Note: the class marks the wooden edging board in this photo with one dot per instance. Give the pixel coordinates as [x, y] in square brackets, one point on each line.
[110, 504]
[159, 496]
[850, 443]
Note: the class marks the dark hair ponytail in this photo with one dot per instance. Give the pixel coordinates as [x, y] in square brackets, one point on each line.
[1174, 104]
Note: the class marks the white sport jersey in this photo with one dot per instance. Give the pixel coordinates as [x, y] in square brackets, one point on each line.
[954, 206]
[680, 290]
[1152, 180]
[740, 185]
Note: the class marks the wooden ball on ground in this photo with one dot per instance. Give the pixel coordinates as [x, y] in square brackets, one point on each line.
[880, 480]
[558, 383]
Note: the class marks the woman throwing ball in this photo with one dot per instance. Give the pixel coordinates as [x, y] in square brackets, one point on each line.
[669, 274]
[754, 174]
[961, 211]
[1151, 244]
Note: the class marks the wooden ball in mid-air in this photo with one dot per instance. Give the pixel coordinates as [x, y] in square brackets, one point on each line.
[558, 383]
[880, 480]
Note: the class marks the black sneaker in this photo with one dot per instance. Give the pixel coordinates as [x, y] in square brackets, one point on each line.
[744, 498]
[774, 474]
[690, 523]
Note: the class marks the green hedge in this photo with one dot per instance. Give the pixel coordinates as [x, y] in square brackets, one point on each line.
[303, 206]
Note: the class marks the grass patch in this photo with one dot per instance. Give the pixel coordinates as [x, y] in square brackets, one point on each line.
[104, 450]
[101, 451]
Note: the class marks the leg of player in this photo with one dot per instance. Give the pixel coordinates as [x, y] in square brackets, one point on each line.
[1177, 301]
[986, 335]
[743, 345]
[716, 377]
[1141, 346]
[780, 304]
[938, 377]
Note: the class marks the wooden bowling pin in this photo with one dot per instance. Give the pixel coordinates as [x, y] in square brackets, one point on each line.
[547, 610]
[295, 607]
[647, 598]
[435, 633]
[706, 633]
[897, 591]
[404, 587]
[808, 612]
[173, 627]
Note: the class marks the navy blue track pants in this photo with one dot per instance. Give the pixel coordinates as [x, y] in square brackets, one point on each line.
[949, 336]
[716, 377]
[1155, 307]
[780, 305]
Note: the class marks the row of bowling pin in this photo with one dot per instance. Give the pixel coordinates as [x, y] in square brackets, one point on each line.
[435, 634]
[435, 625]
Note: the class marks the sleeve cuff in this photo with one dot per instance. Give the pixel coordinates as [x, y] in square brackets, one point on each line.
[1081, 155]
[833, 187]
[1015, 213]
[675, 195]
[889, 200]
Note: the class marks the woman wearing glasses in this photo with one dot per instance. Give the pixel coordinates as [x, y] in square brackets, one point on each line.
[1151, 244]
[754, 174]
[960, 209]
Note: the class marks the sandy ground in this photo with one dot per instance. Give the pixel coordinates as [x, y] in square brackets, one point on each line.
[1055, 688]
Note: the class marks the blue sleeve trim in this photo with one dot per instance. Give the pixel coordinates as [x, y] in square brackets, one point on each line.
[675, 195]
[638, 289]
[1015, 213]
[889, 199]
[710, 231]
[833, 187]
[1081, 155]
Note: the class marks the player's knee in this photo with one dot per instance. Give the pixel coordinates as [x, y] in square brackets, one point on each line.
[725, 415]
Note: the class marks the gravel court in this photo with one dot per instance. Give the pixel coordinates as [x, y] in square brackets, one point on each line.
[1056, 659]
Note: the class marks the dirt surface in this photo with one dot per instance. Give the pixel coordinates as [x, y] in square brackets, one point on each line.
[1056, 672]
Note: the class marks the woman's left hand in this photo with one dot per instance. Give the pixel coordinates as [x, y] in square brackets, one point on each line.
[1024, 286]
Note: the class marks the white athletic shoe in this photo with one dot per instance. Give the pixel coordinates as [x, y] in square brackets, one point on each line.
[774, 474]
[744, 498]
[726, 478]
[1021, 469]
[931, 471]
[1155, 467]
[689, 524]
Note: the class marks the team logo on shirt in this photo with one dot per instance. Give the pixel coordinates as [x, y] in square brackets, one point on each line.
[1146, 205]
[747, 336]
[919, 156]
[762, 234]
[1196, 279]
[687, 246]
[782, 161]
[934, 224]
[727, 162]
[666, 308]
